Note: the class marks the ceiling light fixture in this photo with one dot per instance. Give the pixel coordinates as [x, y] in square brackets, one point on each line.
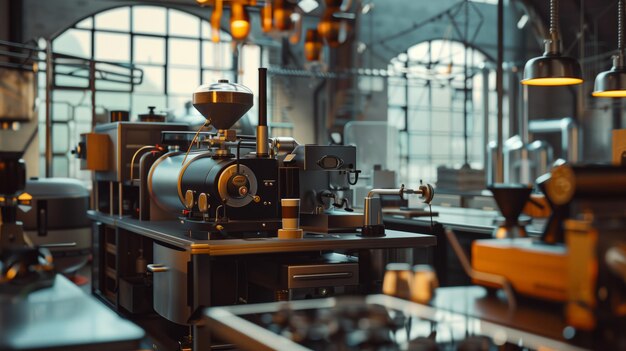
[612, 83]
[239, 21]
[552, 69]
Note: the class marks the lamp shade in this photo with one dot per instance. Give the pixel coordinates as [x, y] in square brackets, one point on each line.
[552, 70]
[610, 83]
[239, 22]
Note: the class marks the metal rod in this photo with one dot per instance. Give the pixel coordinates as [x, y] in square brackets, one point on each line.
[500, 92]
[485, 116]
[465, 89]
[261, 129]
[49, 84]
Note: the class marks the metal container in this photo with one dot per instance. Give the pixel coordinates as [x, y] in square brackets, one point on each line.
[523, 163]
[170, 270]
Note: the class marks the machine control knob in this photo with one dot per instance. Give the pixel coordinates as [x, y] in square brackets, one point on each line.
[189, 200]
[203, 202]
[238, 186]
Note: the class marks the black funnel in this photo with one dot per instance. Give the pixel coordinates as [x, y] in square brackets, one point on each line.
[511, 199]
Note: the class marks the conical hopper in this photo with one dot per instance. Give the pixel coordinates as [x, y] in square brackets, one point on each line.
[511, 199]
[222, 103]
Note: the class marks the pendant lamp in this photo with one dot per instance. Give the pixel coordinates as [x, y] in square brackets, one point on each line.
[612, 83]
[552, 69]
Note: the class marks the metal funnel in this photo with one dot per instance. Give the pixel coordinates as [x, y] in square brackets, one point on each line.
[511, 199]
[222, 103]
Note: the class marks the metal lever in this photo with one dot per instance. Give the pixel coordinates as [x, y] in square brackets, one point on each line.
[157, 268]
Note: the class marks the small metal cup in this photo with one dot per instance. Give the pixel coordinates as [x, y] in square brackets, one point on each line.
[397, 280]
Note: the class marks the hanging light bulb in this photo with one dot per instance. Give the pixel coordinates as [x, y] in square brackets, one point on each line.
[552, 69]
[282, 15]
[267, 17]
[612, 83]
[239, 21]
[312, 45]
[329, 27]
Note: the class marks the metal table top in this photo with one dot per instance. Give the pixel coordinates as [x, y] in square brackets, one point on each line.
[63, 317]
[465, 219]
[174, 233]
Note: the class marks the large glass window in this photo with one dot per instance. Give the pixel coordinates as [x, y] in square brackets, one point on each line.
[427, 92]
[172, 48]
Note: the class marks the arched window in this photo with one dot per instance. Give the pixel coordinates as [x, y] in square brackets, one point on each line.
[172, 48]
[426, 103]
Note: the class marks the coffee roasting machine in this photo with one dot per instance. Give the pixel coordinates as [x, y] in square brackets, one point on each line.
[189, 219]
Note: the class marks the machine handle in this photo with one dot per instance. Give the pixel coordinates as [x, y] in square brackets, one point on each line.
[157, 268]
[338, 275]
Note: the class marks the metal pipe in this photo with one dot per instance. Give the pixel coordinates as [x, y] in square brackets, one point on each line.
[49, 84]
[485, 116]
[570, 137]
[500, 92]
[261, 129]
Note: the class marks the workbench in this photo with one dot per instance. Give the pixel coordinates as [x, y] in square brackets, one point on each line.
[113, 234]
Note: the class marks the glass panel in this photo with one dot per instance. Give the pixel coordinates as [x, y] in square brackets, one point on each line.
[83, 114]
[182, 109]
[73, 42]
[116, 19]
[182, 81]
[153, 80]
[60, 138]
[217, 55]
[112, 47]
[250, 61]
[86, 23]
[149, 50]
[184, 52]
[61, 111]
[183, 24]
[112, 101]
[149, 19]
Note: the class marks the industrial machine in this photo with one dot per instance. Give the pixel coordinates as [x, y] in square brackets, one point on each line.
[579, 261]
[161, 171]
[189, 219]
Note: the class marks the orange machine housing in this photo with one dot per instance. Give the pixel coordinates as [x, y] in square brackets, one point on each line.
[533, 268]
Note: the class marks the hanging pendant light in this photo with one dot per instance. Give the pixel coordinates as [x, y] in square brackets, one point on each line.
[312, 45]
[282, 15]
[239, 21]
[612, 83]
[552, 69]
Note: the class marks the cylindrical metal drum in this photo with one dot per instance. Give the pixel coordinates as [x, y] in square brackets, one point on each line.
[169, 180]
